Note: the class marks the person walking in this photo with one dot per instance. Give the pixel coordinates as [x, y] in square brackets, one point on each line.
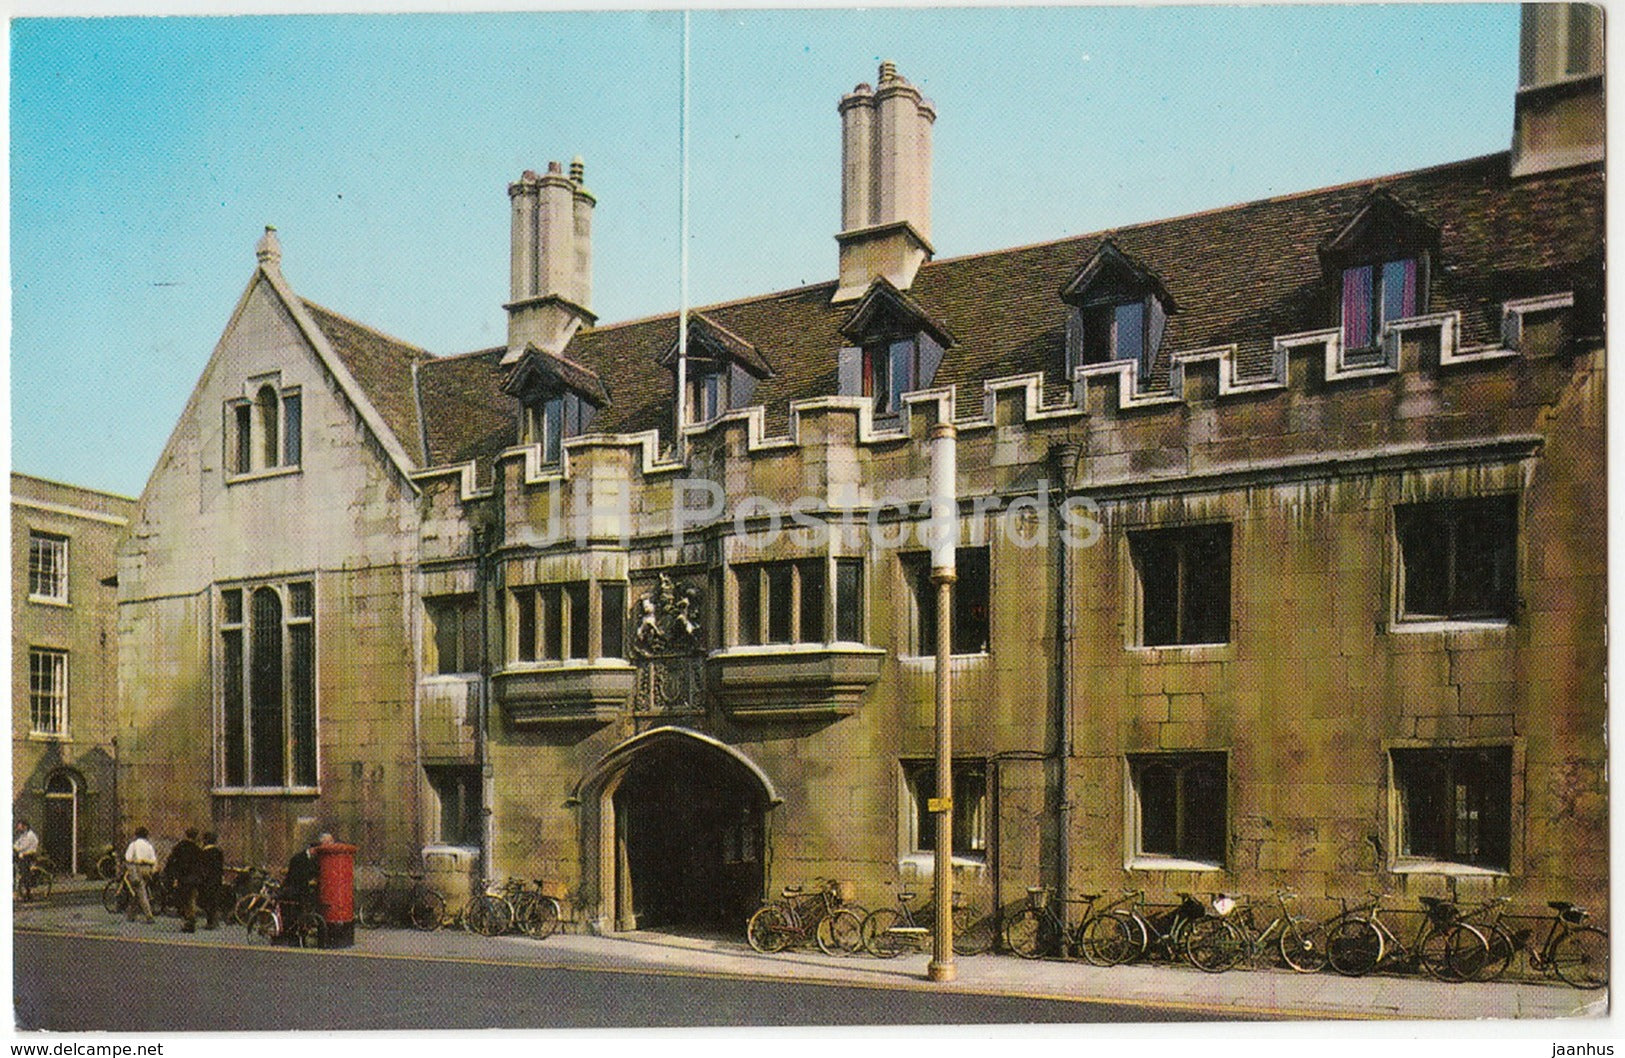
[140, 860]
[183, 871]
[211, 880]
[24, 851]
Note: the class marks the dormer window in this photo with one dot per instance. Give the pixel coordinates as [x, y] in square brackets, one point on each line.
[1114, 332]
[897, 348]
[891, 368]
[1377, 294]
[1119, 311]
[557, 397]
[722, 369]
[1377, 266]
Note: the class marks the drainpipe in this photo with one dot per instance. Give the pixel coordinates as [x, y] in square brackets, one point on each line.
[483, 538]
[1063, 457]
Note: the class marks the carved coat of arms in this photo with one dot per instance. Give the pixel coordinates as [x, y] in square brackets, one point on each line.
[668, 647]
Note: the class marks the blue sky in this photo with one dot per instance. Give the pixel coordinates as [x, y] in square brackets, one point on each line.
[148, 153]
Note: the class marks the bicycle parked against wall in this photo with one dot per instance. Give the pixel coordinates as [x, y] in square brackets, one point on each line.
[888, 932]
[405, 899]
[802, 915]
[1445, 947]
[488, 912]
[1157, 931]
[535, 913]
[1040, 928]
[1231, 935]
[1574, 953]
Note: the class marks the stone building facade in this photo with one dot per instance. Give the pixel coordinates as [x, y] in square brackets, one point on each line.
[1280, 556]
[64, 665]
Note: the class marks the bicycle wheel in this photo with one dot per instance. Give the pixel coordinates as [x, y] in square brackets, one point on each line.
[1354, 947]
[488, 916]
[770, 929]
[374, 911]
[1304, 952]
[1580, 957]
[840, 932]
[1455, 954]
[264, 926]
[973, 931]
[1025, 933]
[427, 911]
[41, 882]
[1107, 940]
[541, 919]
[1503, 946]
[879, 937]
[107, 867]
[114, 896]
[1213, 945]
[1139, 934]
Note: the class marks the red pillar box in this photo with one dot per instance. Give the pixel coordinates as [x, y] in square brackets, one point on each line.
[335, 888]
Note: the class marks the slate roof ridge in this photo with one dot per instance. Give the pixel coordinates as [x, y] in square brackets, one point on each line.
[1268, 200]
[696, 310]
[441, 358]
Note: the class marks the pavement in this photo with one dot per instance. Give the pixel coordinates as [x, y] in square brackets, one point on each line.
[75, 908]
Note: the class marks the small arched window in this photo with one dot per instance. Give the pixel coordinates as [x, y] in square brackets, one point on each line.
[270, 415]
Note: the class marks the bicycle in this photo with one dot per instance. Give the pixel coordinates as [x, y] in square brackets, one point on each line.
[416, 903]
[1444, 946]
[799, 916]
[107, 864]
[488, 912]
[118, 893]
[33, 880]
[285, 920]
[886, 931]
[535, 913]
[1157, 931]
[1231, 934]
[1575, 954]
[1039, 928]
[261, 896]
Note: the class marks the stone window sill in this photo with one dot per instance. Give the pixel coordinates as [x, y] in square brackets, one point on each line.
[1446, 867]
[1404, 627]
[262, 475]
[266, 791]
[47, 600]
[1171, 863]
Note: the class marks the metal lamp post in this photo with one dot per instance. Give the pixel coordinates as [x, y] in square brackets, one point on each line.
[943, 529]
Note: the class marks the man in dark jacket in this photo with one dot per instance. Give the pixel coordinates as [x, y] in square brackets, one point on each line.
[299, 884]
[183, 871]
[211, 880]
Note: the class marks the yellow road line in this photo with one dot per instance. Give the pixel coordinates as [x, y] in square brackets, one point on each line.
[734, 975]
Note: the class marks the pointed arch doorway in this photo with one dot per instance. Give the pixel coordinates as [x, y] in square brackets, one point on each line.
[682, 832]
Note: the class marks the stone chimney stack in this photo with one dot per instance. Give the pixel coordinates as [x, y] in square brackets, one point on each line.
[885, 184]
[1558, 118]
[550, 259]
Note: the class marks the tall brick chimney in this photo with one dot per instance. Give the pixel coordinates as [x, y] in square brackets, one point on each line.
[550, 260]
[1558, 118]
[885, 184]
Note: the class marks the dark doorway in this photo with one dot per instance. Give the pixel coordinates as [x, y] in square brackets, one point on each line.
[59, 830]
[688, 821]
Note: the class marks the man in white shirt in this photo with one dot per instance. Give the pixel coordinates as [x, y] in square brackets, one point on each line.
[140, 860]
[24, 851]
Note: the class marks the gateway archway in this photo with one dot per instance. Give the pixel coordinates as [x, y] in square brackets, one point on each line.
[683, 832]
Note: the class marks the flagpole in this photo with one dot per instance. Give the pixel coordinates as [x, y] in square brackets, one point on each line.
[681, 442]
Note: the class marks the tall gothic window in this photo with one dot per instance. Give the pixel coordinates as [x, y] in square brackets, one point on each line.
[268, 686]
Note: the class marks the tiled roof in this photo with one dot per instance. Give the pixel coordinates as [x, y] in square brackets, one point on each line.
[382, 366]
[1240, 275]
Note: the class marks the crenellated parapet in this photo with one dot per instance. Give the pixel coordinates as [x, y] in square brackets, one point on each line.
[838, 452]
